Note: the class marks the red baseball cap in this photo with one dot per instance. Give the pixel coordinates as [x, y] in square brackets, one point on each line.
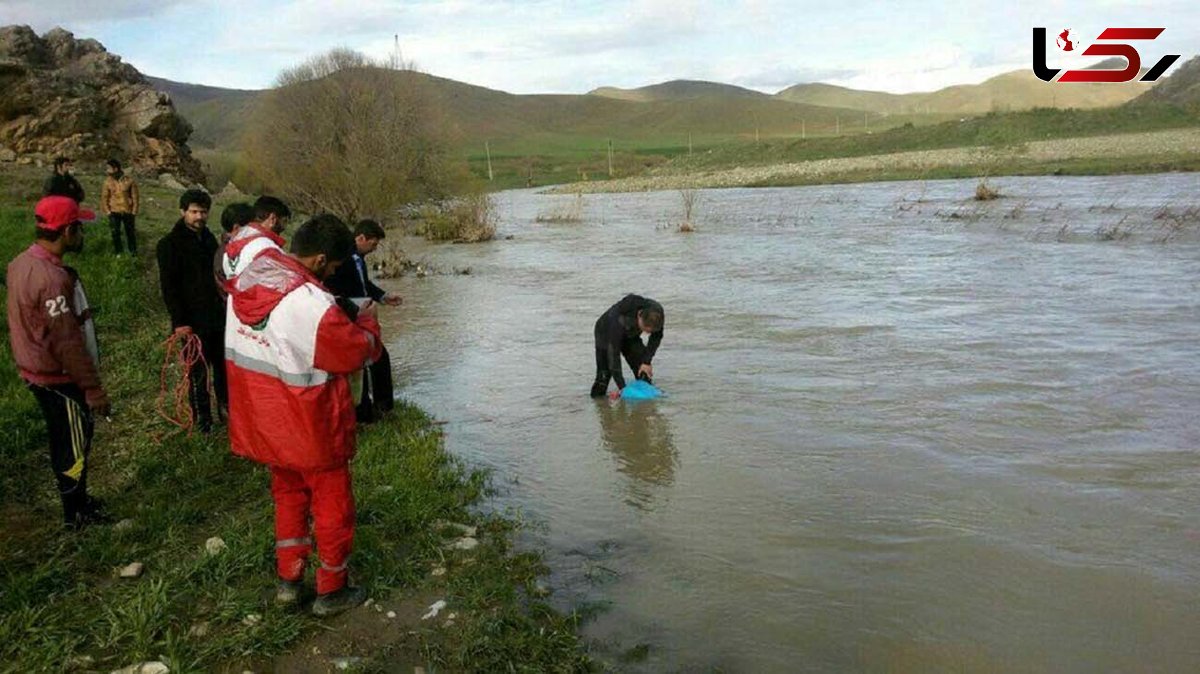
[56, 213]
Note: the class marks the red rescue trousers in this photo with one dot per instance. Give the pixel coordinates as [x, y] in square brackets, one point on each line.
[326, 497]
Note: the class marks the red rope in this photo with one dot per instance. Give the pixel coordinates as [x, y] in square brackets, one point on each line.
[182, 353]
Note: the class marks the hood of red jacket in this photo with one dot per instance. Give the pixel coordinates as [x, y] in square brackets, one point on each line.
[264, 284]
[249, 233]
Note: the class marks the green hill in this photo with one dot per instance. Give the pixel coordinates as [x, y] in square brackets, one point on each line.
[552, 123]
[217, 115]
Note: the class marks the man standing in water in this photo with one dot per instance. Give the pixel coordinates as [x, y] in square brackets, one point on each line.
[618, 333]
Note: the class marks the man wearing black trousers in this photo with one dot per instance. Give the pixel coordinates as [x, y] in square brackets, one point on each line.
[52, 338]
[352, 282]
[619, 333]
[189, 289]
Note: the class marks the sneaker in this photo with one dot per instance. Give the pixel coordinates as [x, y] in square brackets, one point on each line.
[96, 510]
[287, 592]
[333, 603]
[82, 520]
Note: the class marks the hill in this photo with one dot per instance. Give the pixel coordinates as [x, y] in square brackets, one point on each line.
[217, 115]
[676, 90]
[552, 122]
[1181, 87]
[1013, 91]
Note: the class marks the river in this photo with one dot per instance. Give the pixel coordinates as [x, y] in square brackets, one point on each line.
[905, 431]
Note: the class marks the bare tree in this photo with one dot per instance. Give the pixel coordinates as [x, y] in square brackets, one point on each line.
[344, 134]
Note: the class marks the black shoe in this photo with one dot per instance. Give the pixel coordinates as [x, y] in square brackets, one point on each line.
[334, 603]
[287, 592]
[85, 518]
[599, 390]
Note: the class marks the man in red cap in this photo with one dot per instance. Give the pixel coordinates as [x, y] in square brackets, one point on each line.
[55, 351]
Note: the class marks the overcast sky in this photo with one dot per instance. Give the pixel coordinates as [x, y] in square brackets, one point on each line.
[573, 47]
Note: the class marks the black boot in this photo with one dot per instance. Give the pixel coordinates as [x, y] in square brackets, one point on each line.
[334, 603]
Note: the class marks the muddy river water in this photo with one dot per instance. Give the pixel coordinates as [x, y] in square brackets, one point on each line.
[905, 431]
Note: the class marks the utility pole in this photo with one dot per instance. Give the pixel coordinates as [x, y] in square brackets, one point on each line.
[838, 127]
[610, 171]
[488, 150]
[803, 130]
[689, 143]
[864, 120]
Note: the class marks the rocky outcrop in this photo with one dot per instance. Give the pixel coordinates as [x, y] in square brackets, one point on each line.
[64, 96]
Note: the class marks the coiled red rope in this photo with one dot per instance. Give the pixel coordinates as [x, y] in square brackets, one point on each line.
[182, 352]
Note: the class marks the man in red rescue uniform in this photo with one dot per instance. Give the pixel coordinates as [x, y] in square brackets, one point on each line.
[289, 350]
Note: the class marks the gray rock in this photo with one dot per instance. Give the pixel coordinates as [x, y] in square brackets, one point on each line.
[215, 546]
[170, 182]
[154, 667]
[465, 543]
[132, 570]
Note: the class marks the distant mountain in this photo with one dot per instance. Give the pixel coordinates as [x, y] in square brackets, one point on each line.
[217, 115]
[677, 90]
[831, 95]
[1181, 87]
[670, 111]
[1017, 90]
[478, 114]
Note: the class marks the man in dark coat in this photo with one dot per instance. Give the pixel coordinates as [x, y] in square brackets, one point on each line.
[352, 281]
[61, 183]
[185, 272]
[619, 333]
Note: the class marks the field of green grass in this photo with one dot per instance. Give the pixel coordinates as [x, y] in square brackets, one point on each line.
[997, 130]
[62, 606]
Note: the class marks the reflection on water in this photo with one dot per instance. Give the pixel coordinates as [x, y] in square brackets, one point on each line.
[907, 431]
[640, 441]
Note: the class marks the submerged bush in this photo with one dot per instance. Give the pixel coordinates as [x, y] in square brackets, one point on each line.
[469, 219]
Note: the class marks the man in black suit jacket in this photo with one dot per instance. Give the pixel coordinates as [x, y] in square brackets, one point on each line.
[352, 281]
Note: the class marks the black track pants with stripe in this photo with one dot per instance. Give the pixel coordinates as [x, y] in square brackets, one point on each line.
[70, 426]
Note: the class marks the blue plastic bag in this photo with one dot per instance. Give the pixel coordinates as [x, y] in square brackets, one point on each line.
[640, 390]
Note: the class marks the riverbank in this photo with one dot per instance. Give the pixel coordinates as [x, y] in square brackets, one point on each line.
[1148, 152]
[200, 605]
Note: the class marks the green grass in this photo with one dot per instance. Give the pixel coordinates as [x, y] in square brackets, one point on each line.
[998, 130]
[59, 598]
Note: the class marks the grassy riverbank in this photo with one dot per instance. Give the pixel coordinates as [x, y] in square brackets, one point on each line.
[1151, 152]
[62, 606]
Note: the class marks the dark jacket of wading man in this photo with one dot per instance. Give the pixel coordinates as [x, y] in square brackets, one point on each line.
[53, 345]
[617, 334]
[290, 347]
[190, 293]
